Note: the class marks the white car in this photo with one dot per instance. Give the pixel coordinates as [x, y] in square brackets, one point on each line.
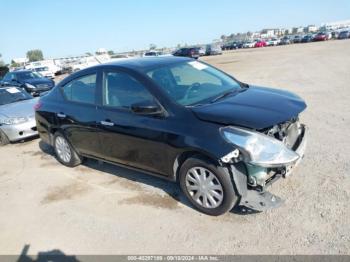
[44, 71]
[273, 42]
[249, 44]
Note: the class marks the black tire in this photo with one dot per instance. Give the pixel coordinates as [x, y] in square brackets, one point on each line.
[4, 140]
[229, 196]
[74, 159]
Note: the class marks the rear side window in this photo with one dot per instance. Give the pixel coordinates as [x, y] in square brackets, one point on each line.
[8, 77]
[81, 90]
[121, 90]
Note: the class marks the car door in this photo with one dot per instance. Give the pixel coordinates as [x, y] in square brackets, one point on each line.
[77, 115]
[126, 137]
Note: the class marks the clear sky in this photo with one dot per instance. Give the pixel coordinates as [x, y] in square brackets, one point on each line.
[73, 27]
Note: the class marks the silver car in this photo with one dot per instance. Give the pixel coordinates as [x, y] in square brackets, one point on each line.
[17, 120]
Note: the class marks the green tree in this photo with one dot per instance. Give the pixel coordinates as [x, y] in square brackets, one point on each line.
[110, 52]
[35, 55]
[14, 64]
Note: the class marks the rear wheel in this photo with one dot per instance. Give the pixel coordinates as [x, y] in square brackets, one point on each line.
[65, 153]
[208, 187]
[4, 140]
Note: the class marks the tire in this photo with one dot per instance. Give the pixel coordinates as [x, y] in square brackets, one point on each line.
[225, 198]
[4, 140]
[64, 152]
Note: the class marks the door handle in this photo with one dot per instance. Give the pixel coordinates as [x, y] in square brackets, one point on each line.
[61, 115]
[107, 123]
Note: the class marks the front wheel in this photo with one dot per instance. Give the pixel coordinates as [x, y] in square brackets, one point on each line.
[208, 187]
[65, 153]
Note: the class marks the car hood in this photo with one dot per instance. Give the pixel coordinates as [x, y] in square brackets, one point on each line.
[255, 107]
[23, 108]
[38, 81]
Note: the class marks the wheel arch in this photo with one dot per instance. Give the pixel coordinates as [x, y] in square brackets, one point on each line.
[182, 157]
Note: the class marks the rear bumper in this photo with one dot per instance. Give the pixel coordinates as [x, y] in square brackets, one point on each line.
[20, 131]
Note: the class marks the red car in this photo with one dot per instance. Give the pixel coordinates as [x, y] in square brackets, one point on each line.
[321, 37]
[260, 43]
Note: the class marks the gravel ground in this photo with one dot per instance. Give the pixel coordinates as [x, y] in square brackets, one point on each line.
[101, 209]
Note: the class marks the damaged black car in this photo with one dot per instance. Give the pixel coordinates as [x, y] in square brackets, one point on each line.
[222, 140]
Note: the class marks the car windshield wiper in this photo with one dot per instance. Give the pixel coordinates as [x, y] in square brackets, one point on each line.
[223, 95]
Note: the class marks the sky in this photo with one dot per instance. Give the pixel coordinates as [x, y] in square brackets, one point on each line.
[72, 27]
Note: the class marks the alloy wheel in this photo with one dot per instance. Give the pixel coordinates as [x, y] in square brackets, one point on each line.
[63, 149]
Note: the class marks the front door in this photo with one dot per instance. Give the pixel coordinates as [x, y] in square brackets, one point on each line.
[126, 137]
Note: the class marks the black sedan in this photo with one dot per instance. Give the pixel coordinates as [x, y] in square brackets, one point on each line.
[32, 82]
[192, 52]
[176, 118]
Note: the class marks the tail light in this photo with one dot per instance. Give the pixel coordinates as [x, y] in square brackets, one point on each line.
[38, 105]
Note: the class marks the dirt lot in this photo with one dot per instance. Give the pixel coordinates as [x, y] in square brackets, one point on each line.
[101, 209]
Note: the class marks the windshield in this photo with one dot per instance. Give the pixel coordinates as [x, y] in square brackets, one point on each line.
[12, 95]
[28, 75]
[191, 83]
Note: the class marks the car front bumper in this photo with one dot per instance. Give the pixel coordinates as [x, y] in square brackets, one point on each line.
[255, 196]
[20, 131]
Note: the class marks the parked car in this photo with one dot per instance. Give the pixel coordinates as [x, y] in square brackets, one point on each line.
[230, 46]
[306, 39]
[192, 52]
[335, 34]
[213, 50]
[153, 53]
[260, 43]
[297, 39]
[285, 41]
[201, 51]
[249, 44]
[344, 35]
[32, 82]
[179, 119]
[17, 120]
[273, 42]
[322, 36]
[44, 71]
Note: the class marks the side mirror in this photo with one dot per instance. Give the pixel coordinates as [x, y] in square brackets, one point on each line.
[146, 108]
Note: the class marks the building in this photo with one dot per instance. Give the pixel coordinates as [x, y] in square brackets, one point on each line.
[310, 29]
[266, 33]
[21, 61]
[298, 30]
[335, 25]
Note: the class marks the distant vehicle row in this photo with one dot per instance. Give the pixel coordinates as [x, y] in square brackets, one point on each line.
[286, 40]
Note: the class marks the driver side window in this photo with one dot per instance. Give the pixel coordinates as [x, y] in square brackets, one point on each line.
[122, 90]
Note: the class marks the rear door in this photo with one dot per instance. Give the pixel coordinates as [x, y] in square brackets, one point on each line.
[129, 138]
[77, 116]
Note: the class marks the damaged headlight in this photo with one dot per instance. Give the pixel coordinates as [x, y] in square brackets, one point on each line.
[259, 149]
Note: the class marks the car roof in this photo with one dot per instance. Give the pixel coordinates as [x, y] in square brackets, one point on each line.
[144, 63]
